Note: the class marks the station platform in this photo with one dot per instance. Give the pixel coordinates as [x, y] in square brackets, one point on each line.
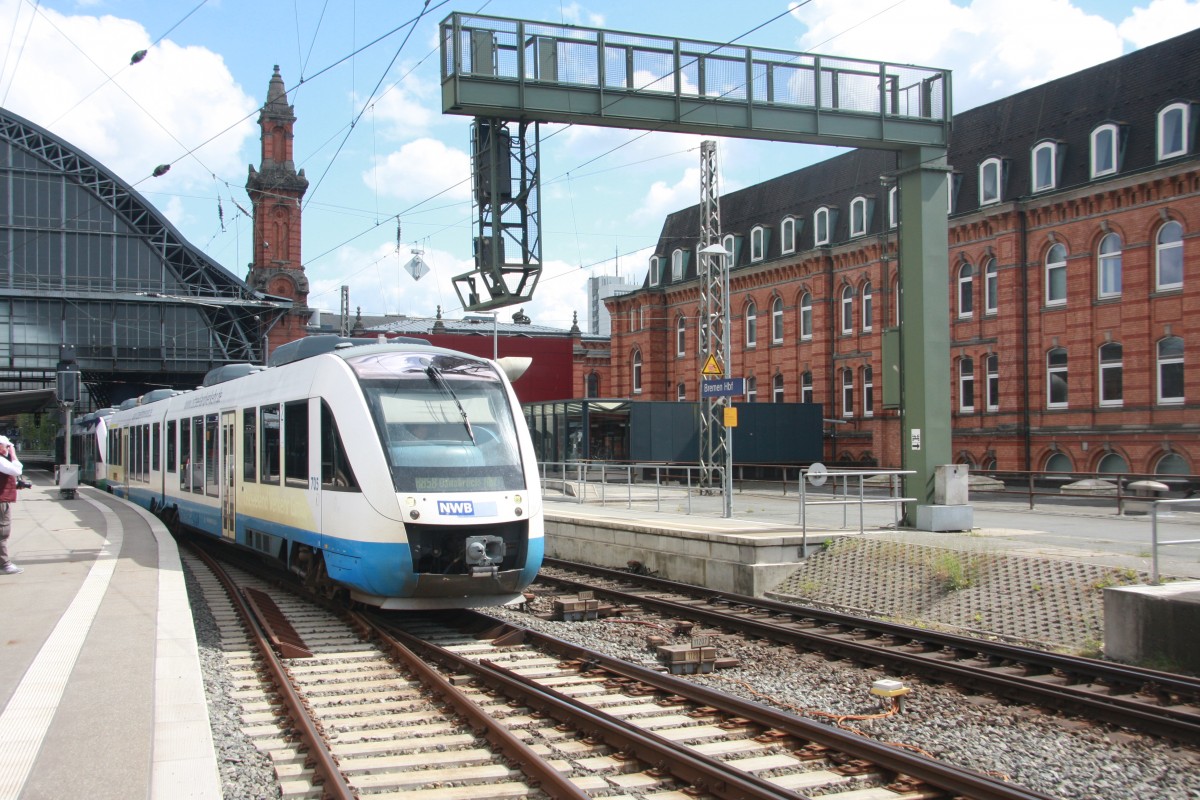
[686, 538]
[101, 693]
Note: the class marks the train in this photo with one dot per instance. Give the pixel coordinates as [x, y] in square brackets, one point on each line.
[398, 474]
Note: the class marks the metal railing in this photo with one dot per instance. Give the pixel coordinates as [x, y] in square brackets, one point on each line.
[630, 483]
[861, 500]
[1154, 542]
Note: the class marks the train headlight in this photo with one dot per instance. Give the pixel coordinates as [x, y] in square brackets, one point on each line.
[517, 499]
[411, 502]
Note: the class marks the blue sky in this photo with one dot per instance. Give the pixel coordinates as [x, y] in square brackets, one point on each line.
[192, 103]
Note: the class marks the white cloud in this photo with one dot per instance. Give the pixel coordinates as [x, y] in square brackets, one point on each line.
[421, 169]
[1160, 20]
[661, 199]
[147, 114]
[401, 113]
[993, 47]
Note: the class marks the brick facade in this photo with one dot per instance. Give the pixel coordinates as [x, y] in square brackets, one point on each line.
[1010, 323]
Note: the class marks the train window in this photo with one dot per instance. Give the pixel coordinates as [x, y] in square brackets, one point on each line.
[269, 437]
[196, 471]
[336, 474]
[211, 460]
[145, 452]
[155, 440]
[249, 446]
[185, 455]
[295, 443]
[171, 446]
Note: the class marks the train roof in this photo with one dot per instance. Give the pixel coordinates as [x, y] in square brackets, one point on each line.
[318, 345]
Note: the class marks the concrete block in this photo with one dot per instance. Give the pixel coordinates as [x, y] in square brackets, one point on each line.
[945, 518]
[950, 485]
[1154, 626]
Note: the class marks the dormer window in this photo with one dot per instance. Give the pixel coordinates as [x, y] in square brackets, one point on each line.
[677, 265]
[757, 243]
[655, 270]
[821, 226]
[787, 235]
[1173, 130]
[991, 174]
[1045, 167]
[860, 212]
[1105, 150]
[729, 242]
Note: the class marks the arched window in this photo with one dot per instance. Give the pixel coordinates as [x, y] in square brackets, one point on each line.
[992, 364]
[966, 290]
[1108, 266]
[751, 324]
[1172, 464]
[1045, 167]
[1056, 275]
[991, 287]
[821, 232]
[858, 216]
[677, 265]
[1168, 256]
[806, 316]
[1173, 128]
[757, 243]
[867, 304]
[681, 392]
[1113, 464]
[1112, 370]
[680, 335]
[592, 385]
[1056, 378]
[1105, 150]
[1170, 370]
[636, 362]
[966, 384]
[751, 389]
[1059, 462]
[847, 309]
[777, 388]
[777, 320]
[868, 392]
[655, 270]
[847, 392]
[990, 179]
[787, 235]
[806, 387]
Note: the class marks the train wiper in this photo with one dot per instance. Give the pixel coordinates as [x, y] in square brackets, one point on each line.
[437, 377]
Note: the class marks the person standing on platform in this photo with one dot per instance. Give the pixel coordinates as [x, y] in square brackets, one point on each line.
[10, 470]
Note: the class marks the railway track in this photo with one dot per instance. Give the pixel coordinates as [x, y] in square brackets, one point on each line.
[352, 708]
[1149, 701]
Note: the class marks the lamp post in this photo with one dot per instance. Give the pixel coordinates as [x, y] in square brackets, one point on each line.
[67, 389]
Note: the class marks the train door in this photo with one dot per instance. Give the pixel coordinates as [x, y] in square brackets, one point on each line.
[228, 452]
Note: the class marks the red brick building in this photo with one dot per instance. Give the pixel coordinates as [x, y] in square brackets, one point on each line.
[1074, 293]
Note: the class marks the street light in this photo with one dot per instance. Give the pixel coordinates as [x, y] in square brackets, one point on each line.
[721, 254]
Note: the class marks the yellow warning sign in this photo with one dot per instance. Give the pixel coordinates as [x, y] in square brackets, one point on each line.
[711, 367]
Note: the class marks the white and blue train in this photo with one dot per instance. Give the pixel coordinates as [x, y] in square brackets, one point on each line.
[401, 474]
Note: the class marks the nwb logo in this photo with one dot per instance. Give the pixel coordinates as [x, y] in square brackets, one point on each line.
[458, 508]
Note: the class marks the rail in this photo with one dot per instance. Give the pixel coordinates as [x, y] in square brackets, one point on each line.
[1154, 542]
[818, 478]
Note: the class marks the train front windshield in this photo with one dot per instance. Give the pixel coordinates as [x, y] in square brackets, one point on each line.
[445, 422]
